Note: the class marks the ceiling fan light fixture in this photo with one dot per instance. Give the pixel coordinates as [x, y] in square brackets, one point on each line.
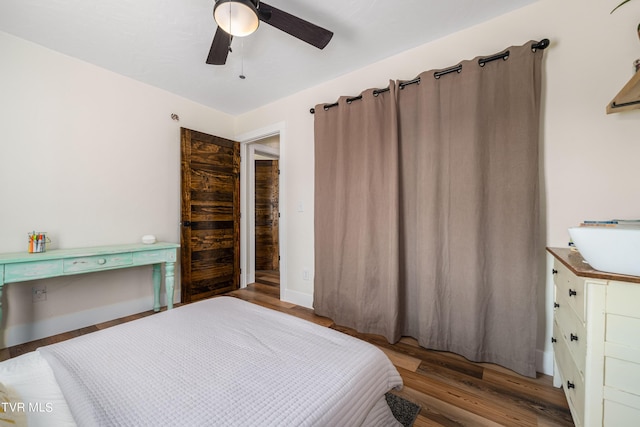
[236, 17]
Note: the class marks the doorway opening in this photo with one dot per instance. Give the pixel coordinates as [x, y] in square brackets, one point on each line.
[262, 227]
[267, 213]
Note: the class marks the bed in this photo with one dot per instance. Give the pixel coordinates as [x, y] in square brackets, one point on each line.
[218, 362]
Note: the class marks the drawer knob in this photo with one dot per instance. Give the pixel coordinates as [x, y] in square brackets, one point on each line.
[556, 305]
[570, 384]
[553, 340]
[572, 293]
[574, 337]
[554, 271]
[102, 261]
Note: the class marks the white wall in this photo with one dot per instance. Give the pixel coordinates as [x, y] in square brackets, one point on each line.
[92, 158]
[590, 158]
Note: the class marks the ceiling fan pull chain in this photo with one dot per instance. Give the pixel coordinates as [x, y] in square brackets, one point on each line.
[230, 38]
[242, 76]
[230, 23]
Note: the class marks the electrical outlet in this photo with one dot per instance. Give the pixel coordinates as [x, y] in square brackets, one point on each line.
[38, 293]
[305, 274]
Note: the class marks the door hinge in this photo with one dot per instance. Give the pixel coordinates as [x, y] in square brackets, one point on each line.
[278, 171]
[278, 214]
[278, 257]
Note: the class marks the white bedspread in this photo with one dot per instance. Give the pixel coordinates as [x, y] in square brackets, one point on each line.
[221, 362]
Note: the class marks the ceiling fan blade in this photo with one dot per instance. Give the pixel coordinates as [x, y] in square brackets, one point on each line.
[219, 48]
[297, 27]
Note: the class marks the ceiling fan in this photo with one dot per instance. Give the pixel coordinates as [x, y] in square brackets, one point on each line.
[242, 17]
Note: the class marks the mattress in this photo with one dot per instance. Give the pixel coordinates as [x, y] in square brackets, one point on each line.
[218, 362]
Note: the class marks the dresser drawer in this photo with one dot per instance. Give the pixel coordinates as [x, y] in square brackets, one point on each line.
[573, 383]
[573, 331]
[153, 257]
[572, 287]
[98, 262]
[32, 270]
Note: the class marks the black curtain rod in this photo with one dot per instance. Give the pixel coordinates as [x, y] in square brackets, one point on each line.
[376, 92]
[542, 44]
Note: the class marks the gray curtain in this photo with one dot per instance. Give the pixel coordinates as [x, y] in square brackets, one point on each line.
[470, 209]
[467, 219]
[356, 214]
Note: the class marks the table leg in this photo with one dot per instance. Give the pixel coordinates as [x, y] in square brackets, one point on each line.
[157, 278]
[169, 282]
[1, 328]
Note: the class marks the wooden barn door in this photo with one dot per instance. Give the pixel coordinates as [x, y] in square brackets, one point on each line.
[267, 250]
[210, 236]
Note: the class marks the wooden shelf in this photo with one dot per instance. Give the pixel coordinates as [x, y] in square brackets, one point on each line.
[628, 98]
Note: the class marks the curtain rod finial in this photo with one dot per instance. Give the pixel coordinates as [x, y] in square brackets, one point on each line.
[542, 44]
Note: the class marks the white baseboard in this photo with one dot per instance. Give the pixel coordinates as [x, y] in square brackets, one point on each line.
[19, 334]
[298, 298]
[544, 362]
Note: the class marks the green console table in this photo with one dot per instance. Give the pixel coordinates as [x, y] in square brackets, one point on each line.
[24, 266]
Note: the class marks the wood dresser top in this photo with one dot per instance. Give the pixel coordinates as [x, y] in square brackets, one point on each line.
[574, 262]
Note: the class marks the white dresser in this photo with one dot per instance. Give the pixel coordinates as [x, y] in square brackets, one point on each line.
[596, 336]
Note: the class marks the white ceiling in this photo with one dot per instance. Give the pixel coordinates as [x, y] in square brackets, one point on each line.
[165, 42]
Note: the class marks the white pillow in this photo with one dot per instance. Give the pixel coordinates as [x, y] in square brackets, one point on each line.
[12, 408]
[31, 377]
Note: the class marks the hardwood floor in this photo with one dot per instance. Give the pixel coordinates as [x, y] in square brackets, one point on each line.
[451, 390]
[268, 277]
